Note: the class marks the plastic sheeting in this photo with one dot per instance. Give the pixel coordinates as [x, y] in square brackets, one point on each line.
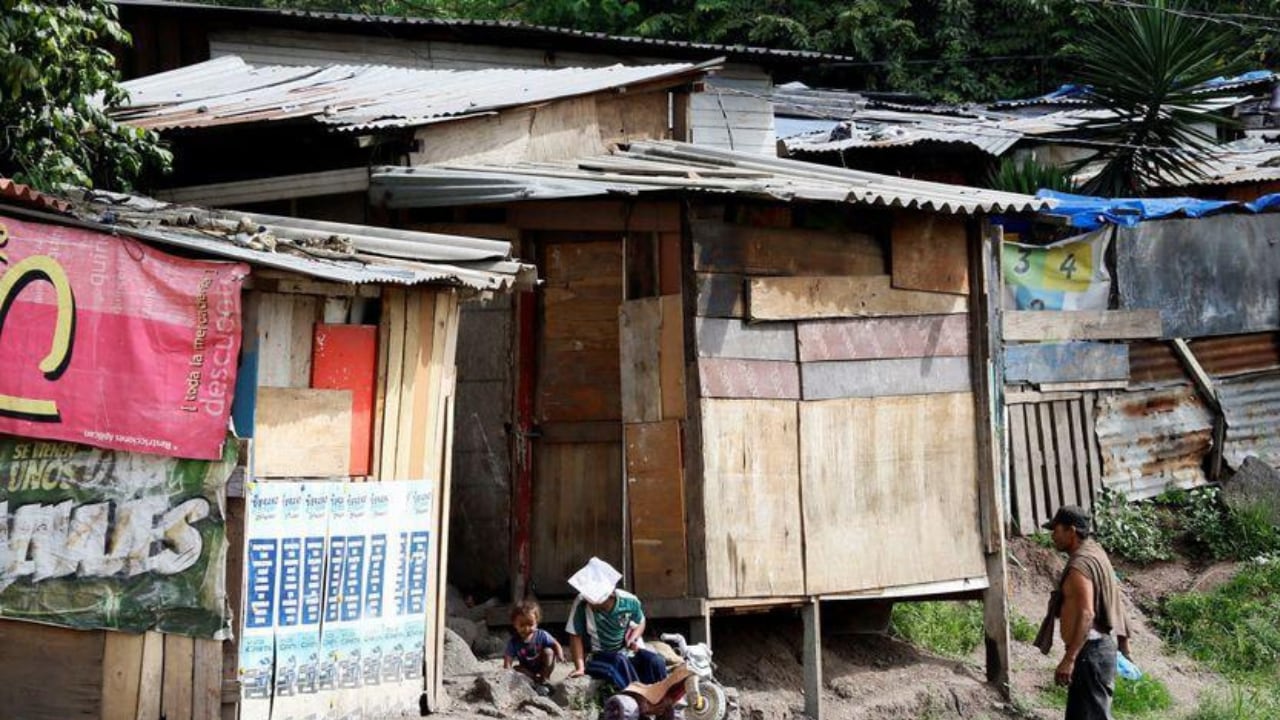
[1089, 213]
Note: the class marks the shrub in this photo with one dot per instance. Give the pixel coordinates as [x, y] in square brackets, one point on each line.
[946, 628]
[1131, 530]
[1223, 533]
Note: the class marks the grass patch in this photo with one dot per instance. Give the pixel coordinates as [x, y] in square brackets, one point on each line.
[1233, 629]
[1222, 533]
[953, 629]
[1022, 629]
[1144, 697]
[1241, 703]
[1043, 539]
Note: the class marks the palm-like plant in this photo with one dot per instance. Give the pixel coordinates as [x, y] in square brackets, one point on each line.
[1147, 66]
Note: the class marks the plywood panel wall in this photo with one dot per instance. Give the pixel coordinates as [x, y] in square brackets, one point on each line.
[751, 486]
[890, 492]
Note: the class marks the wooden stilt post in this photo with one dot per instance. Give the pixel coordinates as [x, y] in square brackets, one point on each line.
[988, 368]
[812, 659]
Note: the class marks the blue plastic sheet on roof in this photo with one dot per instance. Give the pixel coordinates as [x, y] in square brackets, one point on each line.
[1251, 76]
[1089, 213]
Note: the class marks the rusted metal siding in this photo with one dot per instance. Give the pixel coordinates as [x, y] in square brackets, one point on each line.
[1153, 440]
[1206, 276]
[1252, 406]
[1220, 356]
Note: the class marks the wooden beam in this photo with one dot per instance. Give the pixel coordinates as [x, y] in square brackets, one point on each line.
[179, 660]
[748, 250]
[808, 298]
[1066, 362]
[206, 693]
[812, 614]
[1209, 392]
[993, 448]
[596, 215]
[1042, 325]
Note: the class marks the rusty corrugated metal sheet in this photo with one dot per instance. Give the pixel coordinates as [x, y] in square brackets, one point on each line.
[27, 196]
[1252, 406]
[1153, 440]
[1220, 356]
[229, 91]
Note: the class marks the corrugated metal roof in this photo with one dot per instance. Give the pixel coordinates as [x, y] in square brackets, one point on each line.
[28, 196]
[1153, 440]
[1252, 407]
[1251, 160]
[355, 254]
[510, 29]
[1222, 356]
[667, 166]
[229, 91]
[860, 123]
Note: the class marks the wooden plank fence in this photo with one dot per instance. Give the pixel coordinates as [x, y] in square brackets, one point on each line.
[1054, 456]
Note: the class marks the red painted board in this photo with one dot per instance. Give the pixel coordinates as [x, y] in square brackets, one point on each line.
[345, 357]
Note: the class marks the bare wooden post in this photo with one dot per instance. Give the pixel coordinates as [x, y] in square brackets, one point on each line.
[1209, 392]
[700, 628]
[812, 659]
[988, 374]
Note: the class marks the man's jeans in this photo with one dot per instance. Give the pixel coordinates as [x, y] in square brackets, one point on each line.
[1093, 681]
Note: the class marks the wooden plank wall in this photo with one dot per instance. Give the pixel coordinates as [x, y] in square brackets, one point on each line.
[578, 472]
[1054, 455]
[822, 368]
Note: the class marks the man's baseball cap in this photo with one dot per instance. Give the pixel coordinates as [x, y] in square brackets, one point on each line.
[1071, 516]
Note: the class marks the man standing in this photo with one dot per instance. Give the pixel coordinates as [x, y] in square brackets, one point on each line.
[1091, 609]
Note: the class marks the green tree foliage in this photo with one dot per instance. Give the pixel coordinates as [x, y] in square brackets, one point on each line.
[56, 77]
[1144, 65]
[948, 50]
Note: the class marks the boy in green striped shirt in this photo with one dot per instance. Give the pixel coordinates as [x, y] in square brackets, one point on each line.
[612, 621]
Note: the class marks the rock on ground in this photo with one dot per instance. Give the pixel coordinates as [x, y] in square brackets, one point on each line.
[458, 658]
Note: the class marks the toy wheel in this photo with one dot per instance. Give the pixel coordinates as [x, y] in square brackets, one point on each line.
[708, 704]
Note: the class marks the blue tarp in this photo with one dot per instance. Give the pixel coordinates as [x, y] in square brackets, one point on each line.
[1089, 213]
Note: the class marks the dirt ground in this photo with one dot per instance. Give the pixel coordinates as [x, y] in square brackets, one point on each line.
[876, 676]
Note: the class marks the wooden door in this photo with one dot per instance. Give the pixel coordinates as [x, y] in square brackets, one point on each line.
[577, 484]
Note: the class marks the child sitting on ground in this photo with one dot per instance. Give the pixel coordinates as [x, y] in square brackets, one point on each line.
[532, 651]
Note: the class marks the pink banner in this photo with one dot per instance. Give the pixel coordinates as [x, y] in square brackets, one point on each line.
[110, 342]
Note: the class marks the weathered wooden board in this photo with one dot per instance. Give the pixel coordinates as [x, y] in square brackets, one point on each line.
[890, 492]
[1066, 362]
[1207, 276]
[720, 295]
[302, 433]
[285, 325]
[809, 298]
[1040, 325]
[760, 379]
[578, 366]
[730, 338]
[577, 510]
[930, 252]
[121, 675]
[670, 264]
[671, 358]
[179, 668]
[751, 497]
[50, 673]
[727, 248]
[1023, 498]
[655, 500]
[879, 338]
[346, 358]
[639, 332]
[875, 378]
[149, 689]
[206, 691]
